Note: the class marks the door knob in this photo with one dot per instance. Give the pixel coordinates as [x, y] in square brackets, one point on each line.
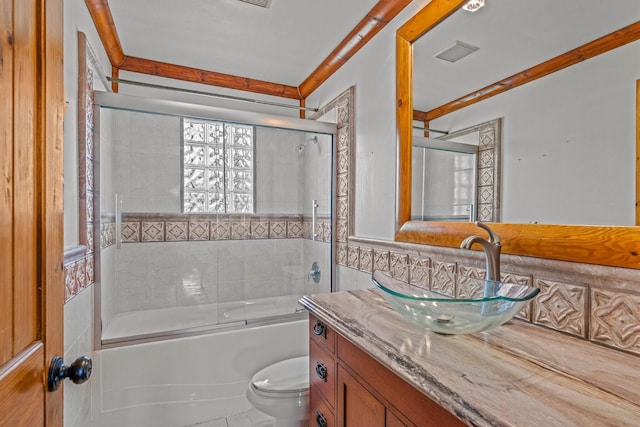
[79, 371]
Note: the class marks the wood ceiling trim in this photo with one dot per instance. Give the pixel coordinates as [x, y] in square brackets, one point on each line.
[195, 75]
[589, 50]
[377, 18]
[103, 20]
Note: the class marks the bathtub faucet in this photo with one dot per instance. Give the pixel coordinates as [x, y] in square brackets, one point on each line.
[491, 250]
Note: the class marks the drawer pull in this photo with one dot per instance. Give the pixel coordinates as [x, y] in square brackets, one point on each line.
[319, 330]
[321, 421]
[321, 371]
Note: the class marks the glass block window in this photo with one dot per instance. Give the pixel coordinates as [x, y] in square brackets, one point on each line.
[218, 167]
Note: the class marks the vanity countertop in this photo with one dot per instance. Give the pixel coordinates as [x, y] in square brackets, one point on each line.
[514, 375]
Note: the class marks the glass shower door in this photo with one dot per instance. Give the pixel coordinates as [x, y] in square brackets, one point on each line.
[215, 222]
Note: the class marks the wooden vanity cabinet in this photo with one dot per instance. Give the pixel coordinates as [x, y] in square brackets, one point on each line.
[361, 392]
[322, 374]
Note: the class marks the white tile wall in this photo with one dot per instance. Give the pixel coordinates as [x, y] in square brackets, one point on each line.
[147, 162]
[279, 171]
[78, 336]
[168, 274]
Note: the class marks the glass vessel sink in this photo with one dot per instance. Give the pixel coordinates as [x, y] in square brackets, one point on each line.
[456, 304]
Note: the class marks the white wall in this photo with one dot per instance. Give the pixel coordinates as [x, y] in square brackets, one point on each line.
[279, 171]
[78, 312]
[147, 161]
[567, 142]
[372, 72]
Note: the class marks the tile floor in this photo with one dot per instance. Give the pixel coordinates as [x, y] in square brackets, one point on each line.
[251, 418]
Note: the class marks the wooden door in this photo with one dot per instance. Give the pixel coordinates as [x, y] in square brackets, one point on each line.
[31, 241]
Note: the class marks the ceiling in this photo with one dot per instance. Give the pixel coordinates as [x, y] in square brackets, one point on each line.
[283, 43]
[287, 42]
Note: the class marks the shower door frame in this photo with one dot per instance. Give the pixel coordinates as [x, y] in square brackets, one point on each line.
[204, 112]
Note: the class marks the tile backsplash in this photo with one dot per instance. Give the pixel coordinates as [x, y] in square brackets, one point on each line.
[596, 303]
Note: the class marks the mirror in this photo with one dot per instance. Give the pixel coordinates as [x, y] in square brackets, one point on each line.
[450, 106]
[555, 170]
[443, 180]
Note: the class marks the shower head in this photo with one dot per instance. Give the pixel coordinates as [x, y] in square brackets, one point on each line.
[302, 146]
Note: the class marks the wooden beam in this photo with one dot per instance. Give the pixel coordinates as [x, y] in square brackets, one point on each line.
[195, 75]
[377, 18]
[599, 46]
[419, 116]
[103, 20]
[428, 17]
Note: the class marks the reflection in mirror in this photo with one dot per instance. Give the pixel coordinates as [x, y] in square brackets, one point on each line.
[456, 177]
[443, 182]
[568, 148]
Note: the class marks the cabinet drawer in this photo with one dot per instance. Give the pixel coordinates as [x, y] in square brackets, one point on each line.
[321, 334]
[322, 373]
[321, 415]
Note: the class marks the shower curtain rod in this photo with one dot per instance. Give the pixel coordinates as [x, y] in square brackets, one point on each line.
[214, 95]
[432, 130]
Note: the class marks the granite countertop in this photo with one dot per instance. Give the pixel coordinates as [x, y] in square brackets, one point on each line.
[515, 375]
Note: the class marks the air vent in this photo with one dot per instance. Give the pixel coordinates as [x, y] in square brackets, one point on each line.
[456, 52]
[261, 3]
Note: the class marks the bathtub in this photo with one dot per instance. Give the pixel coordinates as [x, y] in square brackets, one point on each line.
[167, 322]
[190, 381]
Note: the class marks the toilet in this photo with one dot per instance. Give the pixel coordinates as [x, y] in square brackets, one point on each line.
[281, 390]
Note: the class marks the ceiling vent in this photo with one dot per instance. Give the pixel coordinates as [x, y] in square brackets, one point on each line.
[261, 3]
[456, 52]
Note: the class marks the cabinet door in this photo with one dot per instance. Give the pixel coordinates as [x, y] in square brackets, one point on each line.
[393, 420]
[356, 406]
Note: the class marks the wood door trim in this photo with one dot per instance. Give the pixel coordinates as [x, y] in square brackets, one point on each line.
[50, 214]
[638, 152]
[6, 182]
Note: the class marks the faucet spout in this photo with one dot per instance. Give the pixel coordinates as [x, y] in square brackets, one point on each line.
[491, 249]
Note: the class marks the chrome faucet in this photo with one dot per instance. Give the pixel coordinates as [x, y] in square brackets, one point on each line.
[491, 250]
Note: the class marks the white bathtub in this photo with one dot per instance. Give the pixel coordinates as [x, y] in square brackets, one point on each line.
[166, 321]
[188, 381]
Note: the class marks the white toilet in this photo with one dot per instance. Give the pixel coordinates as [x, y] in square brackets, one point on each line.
[282, 391]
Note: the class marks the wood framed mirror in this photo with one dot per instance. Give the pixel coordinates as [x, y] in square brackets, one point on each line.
[612, 245]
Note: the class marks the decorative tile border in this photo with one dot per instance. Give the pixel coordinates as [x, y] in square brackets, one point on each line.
[561, 306]
[345, 161]
[79, 273]
[187, 227]
[596, 303]
[488, 166]
[615, 319]
[107, 233]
